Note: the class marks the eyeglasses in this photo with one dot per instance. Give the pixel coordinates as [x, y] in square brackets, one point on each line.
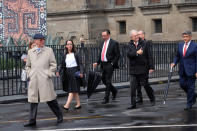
[68, 44]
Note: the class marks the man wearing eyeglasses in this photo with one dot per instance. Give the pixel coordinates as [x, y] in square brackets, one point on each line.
[108, 59]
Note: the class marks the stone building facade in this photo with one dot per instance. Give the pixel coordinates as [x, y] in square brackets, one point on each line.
[162, 20]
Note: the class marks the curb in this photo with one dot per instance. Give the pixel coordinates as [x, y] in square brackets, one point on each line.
[60, 93]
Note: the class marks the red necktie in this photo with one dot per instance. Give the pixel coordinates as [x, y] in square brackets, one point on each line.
[185, 49]
[135, 43]
[103, 52]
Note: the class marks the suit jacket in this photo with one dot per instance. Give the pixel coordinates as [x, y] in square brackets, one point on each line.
[139, 64]
[78, 60]
[113, 53]
[188, 63]
[62, 70]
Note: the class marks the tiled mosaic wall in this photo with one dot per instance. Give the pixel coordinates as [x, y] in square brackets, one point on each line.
[25, 17]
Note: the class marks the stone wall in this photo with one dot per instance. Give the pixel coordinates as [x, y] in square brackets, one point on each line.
[73, 18]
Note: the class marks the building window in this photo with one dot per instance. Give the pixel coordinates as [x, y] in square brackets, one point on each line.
[154, 1]
[122, 27]
[120, 2]
[157, 26]
[194, 24]
[190, 1]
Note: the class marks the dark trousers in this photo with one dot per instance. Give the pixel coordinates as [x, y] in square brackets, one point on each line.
[187, 83]
[143, 80]
[107, 73]
[53, 106]
[139, 91]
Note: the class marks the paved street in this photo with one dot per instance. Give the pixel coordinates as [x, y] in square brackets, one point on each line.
[112, 116]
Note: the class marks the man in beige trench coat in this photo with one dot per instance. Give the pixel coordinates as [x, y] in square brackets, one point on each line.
[41, 66]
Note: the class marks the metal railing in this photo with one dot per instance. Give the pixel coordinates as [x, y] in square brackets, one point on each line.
[154, 2]
[11, 64]
[188, 1]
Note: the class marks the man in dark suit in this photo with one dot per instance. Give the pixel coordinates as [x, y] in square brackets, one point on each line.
[139, 99]
[140, 63]
[108, 58]
[187, 58]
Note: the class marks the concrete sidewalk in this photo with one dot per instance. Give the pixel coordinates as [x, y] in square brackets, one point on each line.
[23, 97]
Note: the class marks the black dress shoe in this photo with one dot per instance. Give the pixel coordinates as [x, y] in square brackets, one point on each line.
[65, 108]
[114, 95]
[79, 107]
[30, 124]
[194, 100]
[152, 103]
[105, 101]
[60, 120]
[139, 101]
[188, 108]
[131, 107]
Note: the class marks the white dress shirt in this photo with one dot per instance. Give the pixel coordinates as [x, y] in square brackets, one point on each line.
[136, 44]
[105, 58]
[70, 60]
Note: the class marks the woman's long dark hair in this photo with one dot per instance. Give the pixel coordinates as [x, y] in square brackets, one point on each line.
[73, 47]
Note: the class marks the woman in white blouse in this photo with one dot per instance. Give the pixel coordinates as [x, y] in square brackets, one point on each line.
[72, 69]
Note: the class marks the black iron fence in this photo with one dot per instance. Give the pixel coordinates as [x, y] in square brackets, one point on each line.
[11, 64]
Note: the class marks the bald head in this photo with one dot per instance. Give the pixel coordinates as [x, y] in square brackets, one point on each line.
[141, 34]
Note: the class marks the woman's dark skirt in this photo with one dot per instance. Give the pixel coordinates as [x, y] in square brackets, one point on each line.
[71, 84]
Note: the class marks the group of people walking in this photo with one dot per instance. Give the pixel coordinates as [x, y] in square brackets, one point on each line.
[41, 66]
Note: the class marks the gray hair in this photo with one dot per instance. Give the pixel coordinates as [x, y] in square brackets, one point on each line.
[187, 33]
[133, 31]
